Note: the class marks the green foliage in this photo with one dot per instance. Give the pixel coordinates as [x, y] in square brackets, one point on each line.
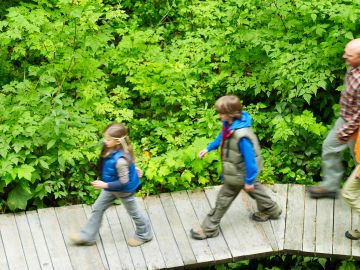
[291, 262]
[181, 169]
[68, 68]
[295, 138]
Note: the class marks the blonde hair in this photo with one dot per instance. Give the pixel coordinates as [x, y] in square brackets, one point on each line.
[230, 105]
[119, 133]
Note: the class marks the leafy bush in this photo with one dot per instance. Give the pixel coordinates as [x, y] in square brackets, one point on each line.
[292, 262]
[68, 68]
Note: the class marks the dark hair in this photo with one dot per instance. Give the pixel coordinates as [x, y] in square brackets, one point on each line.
[230, 105]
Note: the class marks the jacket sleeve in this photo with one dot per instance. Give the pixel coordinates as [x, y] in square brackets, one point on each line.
[251, 168]
[215, 143]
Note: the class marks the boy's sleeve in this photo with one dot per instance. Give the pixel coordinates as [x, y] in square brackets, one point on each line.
[251, 168]
[215, 143]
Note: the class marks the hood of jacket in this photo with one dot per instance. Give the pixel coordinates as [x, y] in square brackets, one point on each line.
[245, 121]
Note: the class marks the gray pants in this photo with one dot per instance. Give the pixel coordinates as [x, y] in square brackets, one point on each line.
[226, 196]
[331, 158]
[105, 200]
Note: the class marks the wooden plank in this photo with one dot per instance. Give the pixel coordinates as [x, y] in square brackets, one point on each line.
[27, 241]
[266, 226]
[189, 220]
[313, 227]
[163, 233]
[128, 229]
[119, 239]
[12, 243]
[279, 194]
[151, 250]
[99, 245]
[253, 239]
[355, 245]
[231, 237]
[294, 218]
[324, 226]
[218, 245]
[39, 240]
[71, 218]
[181, 236]
[108, 243]
[309, 236]
[3, 261]
[54, 239]
[342, 222]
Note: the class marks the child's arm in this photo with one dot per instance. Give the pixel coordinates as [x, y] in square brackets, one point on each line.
[212, 146]
[122, 167]
[251, 168]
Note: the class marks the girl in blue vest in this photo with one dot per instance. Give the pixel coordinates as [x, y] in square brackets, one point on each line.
[119, 179]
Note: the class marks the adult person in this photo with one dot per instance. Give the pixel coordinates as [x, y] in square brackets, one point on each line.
[342, 135]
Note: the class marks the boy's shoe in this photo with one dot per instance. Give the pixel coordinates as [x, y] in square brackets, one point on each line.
[77, 240]
[265, 216]
[353, 234]
[135, 242]
[320, 192]
[200, 235]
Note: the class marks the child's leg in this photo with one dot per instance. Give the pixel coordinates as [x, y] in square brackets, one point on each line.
[225, 197]
[89, 231]
[351, 194]
[143, 232]
[266, 206]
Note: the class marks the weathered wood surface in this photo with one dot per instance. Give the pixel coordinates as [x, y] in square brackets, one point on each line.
[40, 239]
[295, 218]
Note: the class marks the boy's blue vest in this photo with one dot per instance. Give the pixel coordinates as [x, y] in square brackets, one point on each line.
[110, 174]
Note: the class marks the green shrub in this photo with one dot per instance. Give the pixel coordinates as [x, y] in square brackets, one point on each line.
[68, 68]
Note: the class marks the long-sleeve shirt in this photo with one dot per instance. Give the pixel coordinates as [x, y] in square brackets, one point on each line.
[122, 168]
[350, 104]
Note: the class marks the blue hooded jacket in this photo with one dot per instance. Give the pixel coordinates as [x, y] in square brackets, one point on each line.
[245, 147]
[110, 175]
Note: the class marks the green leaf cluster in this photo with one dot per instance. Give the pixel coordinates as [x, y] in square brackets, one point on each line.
[69, 68]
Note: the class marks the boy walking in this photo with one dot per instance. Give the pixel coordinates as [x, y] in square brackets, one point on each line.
[241, 161]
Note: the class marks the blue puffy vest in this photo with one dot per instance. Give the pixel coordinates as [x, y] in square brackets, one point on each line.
[109, 174]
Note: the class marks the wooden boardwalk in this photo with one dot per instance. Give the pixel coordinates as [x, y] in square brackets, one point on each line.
[39, 239]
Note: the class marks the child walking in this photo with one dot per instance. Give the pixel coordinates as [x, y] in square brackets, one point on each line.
[241, 161]
[351, 191]
[119, 179]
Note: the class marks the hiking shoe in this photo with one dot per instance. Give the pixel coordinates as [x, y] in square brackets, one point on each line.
[353, 234]
[135, 242]
[320, 192]
[265, 216]
[77, 240]
[200, 235]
